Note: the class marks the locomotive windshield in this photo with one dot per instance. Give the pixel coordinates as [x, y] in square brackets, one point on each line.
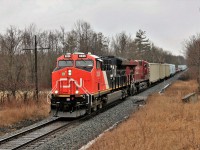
[65, 63]
[84, 64]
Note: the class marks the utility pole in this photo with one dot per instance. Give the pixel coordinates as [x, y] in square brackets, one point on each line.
[36, 76]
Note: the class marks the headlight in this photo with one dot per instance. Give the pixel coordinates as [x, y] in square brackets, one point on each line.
[76, 92]
[69, 72]
[56, 91]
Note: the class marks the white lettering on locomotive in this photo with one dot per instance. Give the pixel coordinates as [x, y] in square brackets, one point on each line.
[71, 80]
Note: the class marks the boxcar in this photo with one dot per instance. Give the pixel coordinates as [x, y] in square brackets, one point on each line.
[167, 70]
[172, 69]
[162, 71]
[154, 72]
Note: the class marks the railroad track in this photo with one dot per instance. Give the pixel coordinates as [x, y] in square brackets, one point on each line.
[31, 136]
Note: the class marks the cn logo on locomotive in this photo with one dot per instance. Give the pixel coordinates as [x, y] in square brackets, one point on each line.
[72, 80]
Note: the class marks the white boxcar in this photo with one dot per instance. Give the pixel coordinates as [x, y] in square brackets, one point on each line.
[167, 70]
[154, 72]
[162, 71]
[182, 67]
[172, 69]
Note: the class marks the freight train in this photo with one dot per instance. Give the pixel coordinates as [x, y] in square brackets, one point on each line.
[83, 83]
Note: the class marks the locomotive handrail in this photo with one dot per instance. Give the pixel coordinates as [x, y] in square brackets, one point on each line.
[87, 93]
[50, 94]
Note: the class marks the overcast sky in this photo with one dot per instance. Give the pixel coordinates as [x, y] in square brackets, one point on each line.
[167, 22]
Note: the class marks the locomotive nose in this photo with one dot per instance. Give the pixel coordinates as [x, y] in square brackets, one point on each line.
[70, 82]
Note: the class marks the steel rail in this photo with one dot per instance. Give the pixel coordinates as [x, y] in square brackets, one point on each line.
[29, 135]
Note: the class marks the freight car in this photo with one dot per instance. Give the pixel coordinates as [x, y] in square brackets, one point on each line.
[167, 70]
[82, 83]
[172, 69]
[154, 72]
[182, 67]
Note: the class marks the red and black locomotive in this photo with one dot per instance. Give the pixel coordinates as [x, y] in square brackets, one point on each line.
[82, 83]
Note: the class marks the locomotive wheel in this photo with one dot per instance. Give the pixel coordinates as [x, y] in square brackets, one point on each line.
[100, 105]
[94, 108]
[53, 112]
[133, 90]
[55, 109]
[124, 94]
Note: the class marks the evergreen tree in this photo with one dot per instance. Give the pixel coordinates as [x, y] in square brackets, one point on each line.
[141, 41]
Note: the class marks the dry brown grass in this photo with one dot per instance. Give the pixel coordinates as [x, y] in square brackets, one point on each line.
[15, 111]
[164, 123]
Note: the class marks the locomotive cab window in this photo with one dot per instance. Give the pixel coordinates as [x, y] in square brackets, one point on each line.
[65, 63]
[98, 65]
[84, 64]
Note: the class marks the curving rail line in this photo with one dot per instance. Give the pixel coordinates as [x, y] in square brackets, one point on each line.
[22, 139]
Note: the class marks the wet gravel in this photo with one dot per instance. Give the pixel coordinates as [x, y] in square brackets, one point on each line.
[76, 137]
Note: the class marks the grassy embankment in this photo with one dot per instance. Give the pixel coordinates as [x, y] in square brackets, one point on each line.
[164, 123]
[15, 111]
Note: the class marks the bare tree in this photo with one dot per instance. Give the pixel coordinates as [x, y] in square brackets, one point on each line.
[193, 55]
[121, 44]
[11, 49]
[71, 41]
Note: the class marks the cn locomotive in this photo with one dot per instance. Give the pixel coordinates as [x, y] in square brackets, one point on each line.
[82, 83]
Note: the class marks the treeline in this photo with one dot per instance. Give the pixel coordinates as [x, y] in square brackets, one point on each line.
[193, 57]
[17, 65]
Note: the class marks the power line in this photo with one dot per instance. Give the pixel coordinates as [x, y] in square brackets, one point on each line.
[36, 76]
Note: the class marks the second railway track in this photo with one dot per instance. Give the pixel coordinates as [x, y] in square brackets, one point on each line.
[29, 137]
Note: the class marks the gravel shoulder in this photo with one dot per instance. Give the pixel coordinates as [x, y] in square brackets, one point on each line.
[76, 137]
